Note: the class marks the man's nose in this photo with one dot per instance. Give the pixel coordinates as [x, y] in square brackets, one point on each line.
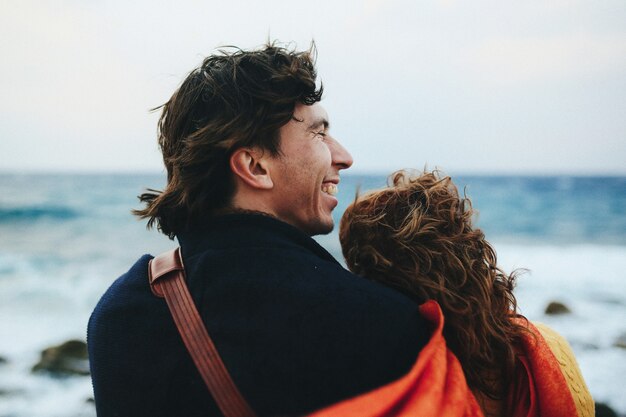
[341, 156]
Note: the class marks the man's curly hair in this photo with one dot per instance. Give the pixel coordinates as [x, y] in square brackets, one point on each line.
[417, 236]
[235, 99]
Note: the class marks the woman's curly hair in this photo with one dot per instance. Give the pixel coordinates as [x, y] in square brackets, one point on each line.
[235, 99]
[417, 236]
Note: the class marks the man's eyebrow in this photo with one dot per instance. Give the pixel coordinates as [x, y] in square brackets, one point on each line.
[322, 121]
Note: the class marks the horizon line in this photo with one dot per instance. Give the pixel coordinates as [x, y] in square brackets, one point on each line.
[350, 173]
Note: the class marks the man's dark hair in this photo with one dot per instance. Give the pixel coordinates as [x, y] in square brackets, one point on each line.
[235, 99]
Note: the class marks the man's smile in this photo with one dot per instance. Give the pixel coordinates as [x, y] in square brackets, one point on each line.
[329, 188]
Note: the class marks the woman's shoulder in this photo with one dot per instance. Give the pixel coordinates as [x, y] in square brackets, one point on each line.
[569, 368]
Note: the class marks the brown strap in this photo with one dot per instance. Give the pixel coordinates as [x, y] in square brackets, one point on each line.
[166, 273]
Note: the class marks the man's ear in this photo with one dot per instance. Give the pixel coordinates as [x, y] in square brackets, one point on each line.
[252, 167]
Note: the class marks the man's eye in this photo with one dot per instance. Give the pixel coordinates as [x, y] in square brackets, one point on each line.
[322, 134]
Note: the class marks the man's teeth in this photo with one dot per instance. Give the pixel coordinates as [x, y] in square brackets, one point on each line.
[330, 189]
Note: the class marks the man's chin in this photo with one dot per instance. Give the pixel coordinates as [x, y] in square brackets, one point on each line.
[322, 228]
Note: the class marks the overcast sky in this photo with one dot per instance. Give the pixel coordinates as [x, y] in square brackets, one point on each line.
[469, 86]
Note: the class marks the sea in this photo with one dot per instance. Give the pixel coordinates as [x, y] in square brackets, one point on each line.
[64, 238]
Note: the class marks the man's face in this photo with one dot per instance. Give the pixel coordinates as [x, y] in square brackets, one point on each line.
[306, 173]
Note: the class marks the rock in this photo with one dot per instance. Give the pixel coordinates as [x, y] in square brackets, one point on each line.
[11, 392]
[586, 346]
[556, 307]
[621, 341]
[603, 410]
[69, 358]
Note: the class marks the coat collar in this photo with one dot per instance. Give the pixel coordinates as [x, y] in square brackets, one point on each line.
[247, 230]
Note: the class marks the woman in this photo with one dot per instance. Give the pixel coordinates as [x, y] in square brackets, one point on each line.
[417, 237]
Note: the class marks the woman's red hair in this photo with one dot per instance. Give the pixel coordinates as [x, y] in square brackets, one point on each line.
[417, 236]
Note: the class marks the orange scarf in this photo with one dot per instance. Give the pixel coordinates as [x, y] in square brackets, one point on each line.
[544, 390]
[436, 385]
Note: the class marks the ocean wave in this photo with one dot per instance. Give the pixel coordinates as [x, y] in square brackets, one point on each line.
[29, 213]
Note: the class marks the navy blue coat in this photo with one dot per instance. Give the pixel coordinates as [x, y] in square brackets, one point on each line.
[295, 329]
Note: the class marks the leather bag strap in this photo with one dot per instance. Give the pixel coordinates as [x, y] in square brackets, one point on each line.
[166, 274]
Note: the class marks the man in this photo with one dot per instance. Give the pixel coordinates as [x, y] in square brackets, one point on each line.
[252, 173]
